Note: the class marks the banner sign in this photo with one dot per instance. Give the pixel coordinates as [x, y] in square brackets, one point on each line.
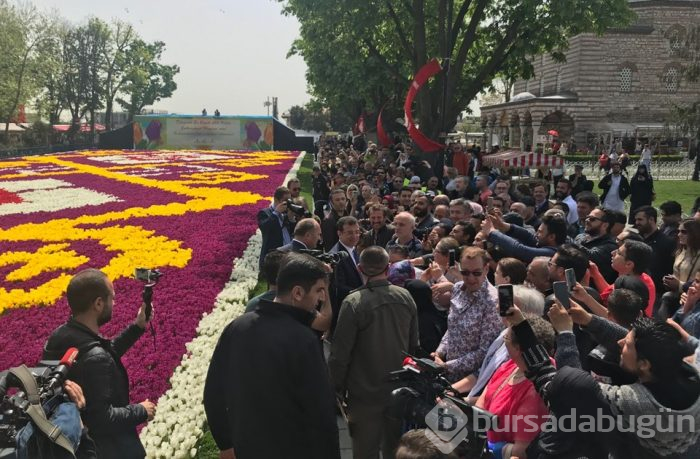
[178, 132]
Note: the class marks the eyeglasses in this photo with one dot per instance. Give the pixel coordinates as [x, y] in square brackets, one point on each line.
[683, 231]
[593, 219]
[472, 273]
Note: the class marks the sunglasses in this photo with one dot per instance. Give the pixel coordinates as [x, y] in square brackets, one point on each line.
[683, 231]
[593, 219]
[472, 273]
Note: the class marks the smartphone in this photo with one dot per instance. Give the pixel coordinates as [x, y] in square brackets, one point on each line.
[561, 293]
[570, 278]
[453, 258]
[505, 298]
[489, 202]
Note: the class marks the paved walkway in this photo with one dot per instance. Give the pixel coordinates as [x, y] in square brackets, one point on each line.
[345, 441]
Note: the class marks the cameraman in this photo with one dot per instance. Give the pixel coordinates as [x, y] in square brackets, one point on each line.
[274, 224]
[108, 415]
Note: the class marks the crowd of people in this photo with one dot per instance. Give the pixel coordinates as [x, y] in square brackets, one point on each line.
[405, 256]
[415, 251]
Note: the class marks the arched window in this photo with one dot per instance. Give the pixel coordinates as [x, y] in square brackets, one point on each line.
[626, 79]
[676, 37]
[672, 79]
[676, 43]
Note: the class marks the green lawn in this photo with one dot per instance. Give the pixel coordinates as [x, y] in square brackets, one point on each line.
[206, 447]
[305, 176]
[683, 191]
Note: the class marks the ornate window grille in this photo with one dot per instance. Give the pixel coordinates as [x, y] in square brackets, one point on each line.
[626, 79]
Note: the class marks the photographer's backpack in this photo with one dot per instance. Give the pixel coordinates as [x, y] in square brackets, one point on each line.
[53, 430]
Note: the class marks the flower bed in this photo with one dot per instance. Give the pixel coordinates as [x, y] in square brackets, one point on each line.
[188, 213]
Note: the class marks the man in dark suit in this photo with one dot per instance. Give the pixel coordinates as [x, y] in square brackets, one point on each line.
[307, 235]
[346, 275]
[274, 224]
[329, 226]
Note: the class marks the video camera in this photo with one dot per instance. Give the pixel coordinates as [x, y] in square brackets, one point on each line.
[422, 383]
[420, 233]
[49, 378]
[296, 208]
[325, 257]
[150, 278]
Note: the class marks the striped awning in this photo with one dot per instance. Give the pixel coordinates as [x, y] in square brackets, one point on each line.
[517, 158]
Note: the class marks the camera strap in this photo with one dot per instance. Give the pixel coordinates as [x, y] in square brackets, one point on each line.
[36, 412]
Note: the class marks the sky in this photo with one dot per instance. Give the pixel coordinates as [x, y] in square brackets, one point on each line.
[231, 53]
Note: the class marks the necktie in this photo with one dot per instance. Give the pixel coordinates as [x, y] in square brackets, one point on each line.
[355, 257]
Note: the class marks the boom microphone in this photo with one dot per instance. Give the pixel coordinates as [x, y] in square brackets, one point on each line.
[59, 374]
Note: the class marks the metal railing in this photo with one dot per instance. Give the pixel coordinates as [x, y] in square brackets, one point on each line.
[42, 150]
[660, 170]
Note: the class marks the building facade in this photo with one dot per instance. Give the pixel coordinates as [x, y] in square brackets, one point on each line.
[622, 83]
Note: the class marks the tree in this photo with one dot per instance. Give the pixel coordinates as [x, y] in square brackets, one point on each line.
[147, 81]
[23, 30]
[52, 101]
[83, 71]
[121, 37]
[363, 52]
[296, 116]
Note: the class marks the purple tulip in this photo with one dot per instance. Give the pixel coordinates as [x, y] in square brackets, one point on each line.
[182, 295]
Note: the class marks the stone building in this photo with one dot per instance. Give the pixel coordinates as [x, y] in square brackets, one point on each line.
[620, 84]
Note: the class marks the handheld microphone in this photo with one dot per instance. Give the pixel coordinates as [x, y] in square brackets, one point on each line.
[59, 374]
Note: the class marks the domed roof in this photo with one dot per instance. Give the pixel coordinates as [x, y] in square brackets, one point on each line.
[522, 96]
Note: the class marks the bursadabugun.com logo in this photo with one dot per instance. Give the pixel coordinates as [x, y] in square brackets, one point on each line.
[448, 426]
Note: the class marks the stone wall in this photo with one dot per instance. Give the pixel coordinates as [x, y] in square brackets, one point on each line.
[594, 64]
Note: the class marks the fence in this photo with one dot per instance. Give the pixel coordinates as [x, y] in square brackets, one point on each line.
[660, 170]
[43, 150]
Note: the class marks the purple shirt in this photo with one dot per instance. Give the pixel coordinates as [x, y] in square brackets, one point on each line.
[472, 325]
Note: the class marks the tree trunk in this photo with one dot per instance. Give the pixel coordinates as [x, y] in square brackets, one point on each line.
[109, 104]
[15, 104]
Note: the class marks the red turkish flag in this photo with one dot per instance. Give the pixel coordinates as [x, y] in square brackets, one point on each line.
[383, 138]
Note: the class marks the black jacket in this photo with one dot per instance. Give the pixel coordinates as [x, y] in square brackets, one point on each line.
[268, 392]
[346, 278]
[380, 238]
[578, 184]
[271, 230]
[599, 251]
[664, 249]
[329, 230]
[642, 192]
[110, 419]
[606, 183]
[321, 191]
